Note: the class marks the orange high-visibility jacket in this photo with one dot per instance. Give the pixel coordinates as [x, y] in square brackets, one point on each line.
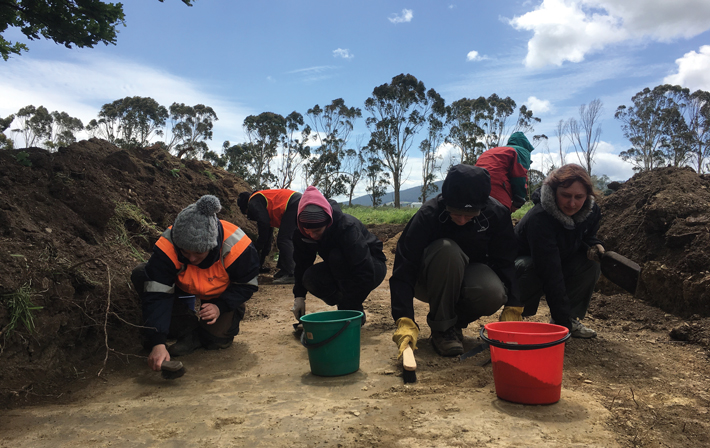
[276, 203]
[207, 284]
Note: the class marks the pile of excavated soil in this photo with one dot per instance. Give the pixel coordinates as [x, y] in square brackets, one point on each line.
[73, 224]
[661, 220]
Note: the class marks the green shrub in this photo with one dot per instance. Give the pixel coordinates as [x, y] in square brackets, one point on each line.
[20, 309]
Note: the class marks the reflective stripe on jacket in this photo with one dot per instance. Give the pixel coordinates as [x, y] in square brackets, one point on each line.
[207, 284]
[276, 203]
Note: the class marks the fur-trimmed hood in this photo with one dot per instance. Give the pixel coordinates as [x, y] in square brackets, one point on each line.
[549, 204]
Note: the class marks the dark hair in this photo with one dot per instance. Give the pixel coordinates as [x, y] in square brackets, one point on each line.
[243, 201]
[566, 175]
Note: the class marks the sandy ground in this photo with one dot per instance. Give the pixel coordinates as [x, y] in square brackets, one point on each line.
[260, 393]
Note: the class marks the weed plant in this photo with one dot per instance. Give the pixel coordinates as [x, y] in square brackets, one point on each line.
[20, 309]
[123, 212]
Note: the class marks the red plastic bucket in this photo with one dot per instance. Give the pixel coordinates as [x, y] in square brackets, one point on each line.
[527, 360]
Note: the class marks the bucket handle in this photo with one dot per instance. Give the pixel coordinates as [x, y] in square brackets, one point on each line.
[508, 346]
[325, 341]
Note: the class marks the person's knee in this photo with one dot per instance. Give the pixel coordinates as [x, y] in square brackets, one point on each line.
[138, 277]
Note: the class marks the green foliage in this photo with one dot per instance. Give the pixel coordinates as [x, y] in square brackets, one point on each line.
[129, 122]
[652, 123]
[209, 174]
[20, 309]
[6, 143]
[175, 172]
[191, 126]
[62, 130]
[82, 23]
[35, 124]
[398, 110]
[333, 125]
[23, 158]
[124, 213]
[253, 159]
[519, 213]
[380, 215]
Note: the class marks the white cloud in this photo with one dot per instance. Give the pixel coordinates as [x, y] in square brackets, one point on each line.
[567, 30]
[83, 84]
[406, 16]
[475, 56]
[693, 70]
[606, 161]
[537, 105]
[342, 53]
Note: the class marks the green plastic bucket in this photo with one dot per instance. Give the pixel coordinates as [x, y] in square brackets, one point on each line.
[333, 341]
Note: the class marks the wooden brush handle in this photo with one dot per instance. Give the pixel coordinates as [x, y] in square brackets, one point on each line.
[408, 361]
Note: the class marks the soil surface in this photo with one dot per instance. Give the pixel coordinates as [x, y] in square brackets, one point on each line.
[75, 222]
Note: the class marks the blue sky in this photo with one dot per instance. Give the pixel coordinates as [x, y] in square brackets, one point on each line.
[244, 58]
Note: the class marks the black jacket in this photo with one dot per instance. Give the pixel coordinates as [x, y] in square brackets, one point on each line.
[487, 239]
[551, 238]
[355, 242]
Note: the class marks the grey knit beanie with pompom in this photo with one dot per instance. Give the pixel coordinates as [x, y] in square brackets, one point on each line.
[196, 228]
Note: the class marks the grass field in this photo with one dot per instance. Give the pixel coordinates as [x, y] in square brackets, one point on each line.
[389, 215]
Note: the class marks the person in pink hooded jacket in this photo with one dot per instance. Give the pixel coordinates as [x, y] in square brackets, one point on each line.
[353, 262]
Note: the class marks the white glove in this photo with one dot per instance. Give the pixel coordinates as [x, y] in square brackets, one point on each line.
[299, 307]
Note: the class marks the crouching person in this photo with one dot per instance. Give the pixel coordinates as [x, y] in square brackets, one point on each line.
[199, 257]
[559, 248]
[457, 254]
[353, 262]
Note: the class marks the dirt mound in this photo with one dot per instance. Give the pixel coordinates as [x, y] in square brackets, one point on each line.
[661, 220]
[73, 224]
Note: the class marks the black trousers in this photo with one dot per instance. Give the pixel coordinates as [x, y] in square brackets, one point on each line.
[327, 280]
[184, 319]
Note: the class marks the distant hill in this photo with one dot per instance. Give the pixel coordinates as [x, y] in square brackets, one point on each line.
[405, 196]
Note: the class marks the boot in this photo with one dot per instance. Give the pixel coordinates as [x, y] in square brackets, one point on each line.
[446, 343]
[185, 345]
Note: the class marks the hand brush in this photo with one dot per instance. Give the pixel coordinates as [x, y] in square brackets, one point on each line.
[171, 370]
[409, 366]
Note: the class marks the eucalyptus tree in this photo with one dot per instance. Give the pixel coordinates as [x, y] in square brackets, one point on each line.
[62, 130]
[35, 125]
[561, 132]
[436, 135]
[586, 132]
[265, 132]
[648, 124]
[331, 126]
[190, 127]
[496, 120]
[398, 109]
[237, 159]
[376, 178]
[294, 150]
[353, 166]
[5, 123]
[698, 119]
[465, 118]
[130, 121]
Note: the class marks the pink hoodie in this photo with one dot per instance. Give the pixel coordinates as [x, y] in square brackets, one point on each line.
[313, 196]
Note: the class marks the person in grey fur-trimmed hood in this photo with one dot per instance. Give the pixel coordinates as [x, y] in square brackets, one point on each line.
[558, 247]
[457, 254]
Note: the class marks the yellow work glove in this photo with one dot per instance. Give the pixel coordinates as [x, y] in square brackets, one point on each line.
[511, 314]
[407, 333]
